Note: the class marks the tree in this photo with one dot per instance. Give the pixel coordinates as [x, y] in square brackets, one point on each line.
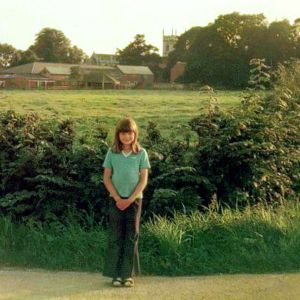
[280, 43]
[219, 54]
[77, 56]
[51, 45]
[182, 47]
[24, 57]
[139, 53]
[7, 55]
[232, 27]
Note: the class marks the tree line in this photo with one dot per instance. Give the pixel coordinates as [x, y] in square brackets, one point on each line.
[51, 45]
[219, 53]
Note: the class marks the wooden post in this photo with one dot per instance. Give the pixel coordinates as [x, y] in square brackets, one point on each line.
[102, 81]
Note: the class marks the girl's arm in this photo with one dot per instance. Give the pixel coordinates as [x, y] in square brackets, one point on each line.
[109, 185]
[141, 185]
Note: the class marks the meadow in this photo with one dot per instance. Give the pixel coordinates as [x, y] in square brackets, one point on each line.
[88, 107]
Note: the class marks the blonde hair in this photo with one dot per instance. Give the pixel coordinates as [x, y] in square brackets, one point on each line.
[124, 125]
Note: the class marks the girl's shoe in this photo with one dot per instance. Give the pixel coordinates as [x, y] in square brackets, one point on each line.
[116, 282]
[128, 282]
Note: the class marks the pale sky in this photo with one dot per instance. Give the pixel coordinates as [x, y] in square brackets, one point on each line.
[103, 26]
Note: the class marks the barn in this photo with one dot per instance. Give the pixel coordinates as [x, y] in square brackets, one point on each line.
[136, 76]
[66, 76]
[59, 76]
[25, 81]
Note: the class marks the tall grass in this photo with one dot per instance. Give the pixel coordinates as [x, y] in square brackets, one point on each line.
[54, 246]
[256, 240]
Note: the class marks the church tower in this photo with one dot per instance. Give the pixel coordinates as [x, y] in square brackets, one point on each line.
[169, 42]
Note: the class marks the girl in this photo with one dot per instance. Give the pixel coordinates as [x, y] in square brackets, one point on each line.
[125, 177]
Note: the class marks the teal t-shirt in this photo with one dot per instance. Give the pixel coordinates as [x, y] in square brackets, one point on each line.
[126, 170]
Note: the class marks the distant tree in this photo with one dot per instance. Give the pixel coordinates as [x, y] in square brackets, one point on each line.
[232, 27]
[77, 56]
[7, 55]
[182, 47]
[280, 42]
[24, 57]
[52, 45]
[219, 54]
[140, 54]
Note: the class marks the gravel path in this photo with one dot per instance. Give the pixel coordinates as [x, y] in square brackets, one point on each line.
[42, 284]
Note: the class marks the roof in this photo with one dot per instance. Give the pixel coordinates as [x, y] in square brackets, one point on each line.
[136, 70]
[22, 69]
[104, 55]
[53, 68]
[27, 76]
[7, 76]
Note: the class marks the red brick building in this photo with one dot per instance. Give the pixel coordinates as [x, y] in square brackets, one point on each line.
[26, 81]
[61, 76]
[177, 70]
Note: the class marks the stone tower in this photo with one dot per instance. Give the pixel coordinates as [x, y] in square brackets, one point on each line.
[168, 43]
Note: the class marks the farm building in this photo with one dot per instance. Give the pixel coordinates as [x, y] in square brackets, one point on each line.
[138, 76]
[25, 81]
[66, 76]
[104, 59]
[177, 70]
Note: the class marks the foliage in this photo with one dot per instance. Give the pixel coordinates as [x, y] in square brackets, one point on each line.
[42, 176]
[260, 78]
[261, 239]
[256, 240]
[25, 57]
[141, 54]
[7, 55]
[251, 154]
[219, 53]
[51, 45]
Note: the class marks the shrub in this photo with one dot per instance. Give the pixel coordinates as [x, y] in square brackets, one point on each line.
[42, 177]
[251, 154]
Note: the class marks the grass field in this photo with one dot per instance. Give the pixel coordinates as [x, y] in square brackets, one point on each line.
[168, 108]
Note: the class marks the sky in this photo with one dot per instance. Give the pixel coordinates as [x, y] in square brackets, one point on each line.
[105, 26]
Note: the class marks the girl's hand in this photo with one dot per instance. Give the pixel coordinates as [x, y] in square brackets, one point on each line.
[124, 203]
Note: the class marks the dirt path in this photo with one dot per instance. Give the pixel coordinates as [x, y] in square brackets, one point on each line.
[41, 284]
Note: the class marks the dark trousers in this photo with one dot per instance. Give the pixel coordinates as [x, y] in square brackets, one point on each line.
[121, 256]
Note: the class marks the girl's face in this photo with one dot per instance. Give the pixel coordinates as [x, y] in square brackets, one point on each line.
[126, 138]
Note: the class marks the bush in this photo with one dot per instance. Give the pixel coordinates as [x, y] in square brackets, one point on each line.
[252, 153]
[42, 176]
